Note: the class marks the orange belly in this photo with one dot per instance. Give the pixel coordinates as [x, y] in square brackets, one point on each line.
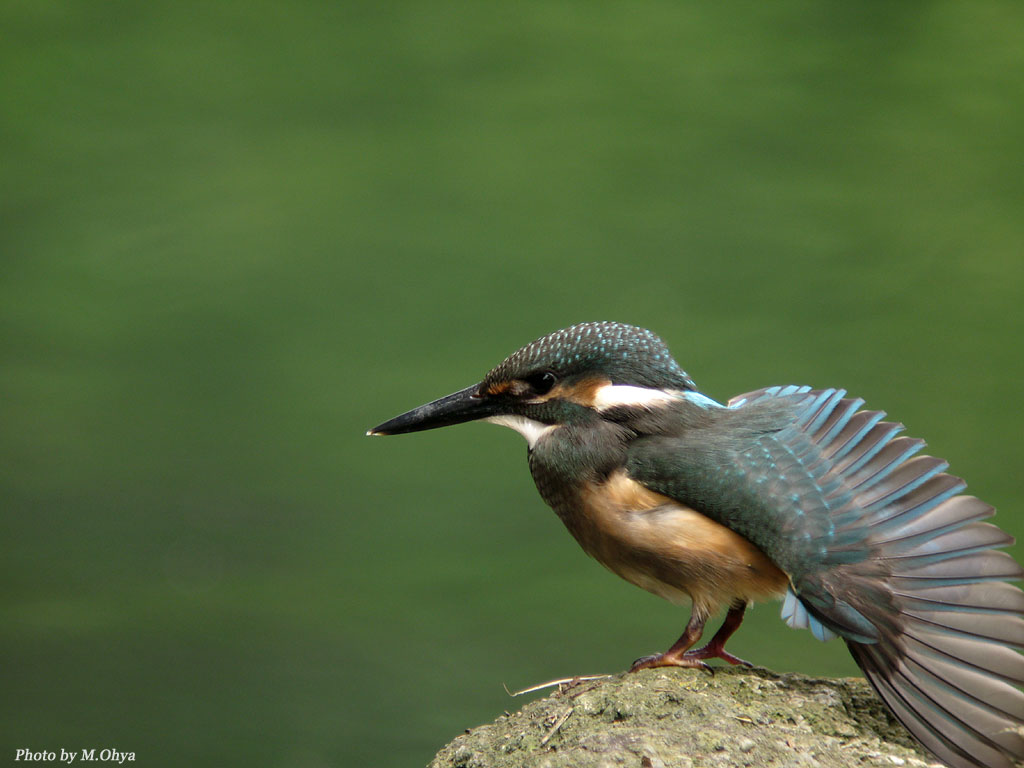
[671, 550]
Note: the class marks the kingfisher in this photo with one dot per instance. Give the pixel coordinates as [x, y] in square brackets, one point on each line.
[787, 492]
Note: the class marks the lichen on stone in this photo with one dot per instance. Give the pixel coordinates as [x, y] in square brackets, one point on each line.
[689, 718]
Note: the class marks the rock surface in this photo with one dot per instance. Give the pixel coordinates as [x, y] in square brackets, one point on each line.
[688, 719]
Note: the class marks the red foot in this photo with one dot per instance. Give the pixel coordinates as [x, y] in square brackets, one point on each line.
[714, 651]
[680, 655]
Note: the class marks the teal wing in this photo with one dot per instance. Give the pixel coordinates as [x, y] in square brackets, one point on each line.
[796, 472]
[881, 548]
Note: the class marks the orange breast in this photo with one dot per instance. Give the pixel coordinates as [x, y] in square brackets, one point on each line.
[671, 550]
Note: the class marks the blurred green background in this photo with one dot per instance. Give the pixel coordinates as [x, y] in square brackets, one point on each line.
[236, 235]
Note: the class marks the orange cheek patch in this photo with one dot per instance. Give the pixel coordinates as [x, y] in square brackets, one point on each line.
[583, 392]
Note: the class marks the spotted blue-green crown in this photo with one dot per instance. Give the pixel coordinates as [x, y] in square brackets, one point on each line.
[623, 353]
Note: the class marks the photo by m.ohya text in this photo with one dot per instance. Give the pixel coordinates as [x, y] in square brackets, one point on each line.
[97, 755]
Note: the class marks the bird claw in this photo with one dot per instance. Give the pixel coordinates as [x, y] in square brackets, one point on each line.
[713, 652]
[667, 660]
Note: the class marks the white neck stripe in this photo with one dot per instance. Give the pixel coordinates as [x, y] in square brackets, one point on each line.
[615, 395]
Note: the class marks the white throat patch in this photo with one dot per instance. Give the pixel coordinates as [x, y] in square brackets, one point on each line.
[528, 428]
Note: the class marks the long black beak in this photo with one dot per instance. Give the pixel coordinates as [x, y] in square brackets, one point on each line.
[464, 405]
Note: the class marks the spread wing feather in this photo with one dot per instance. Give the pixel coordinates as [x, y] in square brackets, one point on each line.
[881, 548]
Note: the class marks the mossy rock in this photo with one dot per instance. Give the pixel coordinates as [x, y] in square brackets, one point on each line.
[687, 719]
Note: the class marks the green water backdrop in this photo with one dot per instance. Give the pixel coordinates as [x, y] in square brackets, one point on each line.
[236, 235]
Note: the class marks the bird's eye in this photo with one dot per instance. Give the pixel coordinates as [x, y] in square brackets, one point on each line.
[541, 383]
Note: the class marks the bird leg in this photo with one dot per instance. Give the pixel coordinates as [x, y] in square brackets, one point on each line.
[677, 656]
[681, 655]
[715, 649]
